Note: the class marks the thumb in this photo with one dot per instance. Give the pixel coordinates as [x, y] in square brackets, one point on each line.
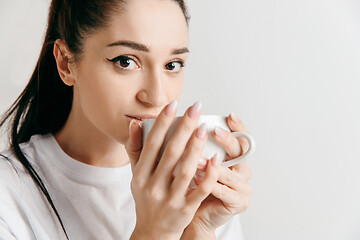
[133, 144]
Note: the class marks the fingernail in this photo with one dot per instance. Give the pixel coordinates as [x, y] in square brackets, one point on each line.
[171, 108]
[214, 160]
[194, 110]
[220, 132]
[130, 126]
[198, 178]
[201, 131]
[235, 118]
[202, 162]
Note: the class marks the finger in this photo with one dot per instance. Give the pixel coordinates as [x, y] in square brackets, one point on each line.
[176, 146]
[189, 162]
[234, 180]
[234, 201]
[224, 193]
[202, 164]
[234, 147]
[231, 145]
[235, 124]
[230, 178]
[244, 145]
[195, 198]
[227, 141]
[155, 139]
[243, 169]
[133, 144]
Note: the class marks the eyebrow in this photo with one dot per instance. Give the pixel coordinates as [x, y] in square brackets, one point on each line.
[143, 48]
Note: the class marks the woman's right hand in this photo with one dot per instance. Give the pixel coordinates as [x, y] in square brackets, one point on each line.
[164, 206]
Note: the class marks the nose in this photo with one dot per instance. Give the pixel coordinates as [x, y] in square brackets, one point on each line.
[153, 90]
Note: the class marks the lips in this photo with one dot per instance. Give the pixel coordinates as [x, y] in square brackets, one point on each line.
[140, 118]
[135, 118]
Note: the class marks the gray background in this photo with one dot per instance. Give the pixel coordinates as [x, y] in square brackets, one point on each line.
[290, 70]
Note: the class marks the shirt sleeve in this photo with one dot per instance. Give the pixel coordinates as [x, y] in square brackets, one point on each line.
[5, 233]
[231, 230]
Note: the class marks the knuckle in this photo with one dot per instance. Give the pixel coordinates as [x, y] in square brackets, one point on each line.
[154, 194]
[187, 127]
[151, 141]
[185, 173]
[185, 210]
[172, 204]
[205, 188]
[172, 151]
[196, 146]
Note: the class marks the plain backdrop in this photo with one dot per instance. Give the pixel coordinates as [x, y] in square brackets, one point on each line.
[290, 69]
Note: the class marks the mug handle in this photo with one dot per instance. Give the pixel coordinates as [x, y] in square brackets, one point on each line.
[248, 152]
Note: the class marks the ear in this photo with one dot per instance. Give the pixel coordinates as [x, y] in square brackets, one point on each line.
[63, 56]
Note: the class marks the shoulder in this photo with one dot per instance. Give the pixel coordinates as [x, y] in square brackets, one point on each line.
[23, 208]
[11, 169]
[12, 188]
[14, 178]
[10, 165]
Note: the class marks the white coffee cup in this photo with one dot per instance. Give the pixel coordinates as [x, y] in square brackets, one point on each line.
[211, 147]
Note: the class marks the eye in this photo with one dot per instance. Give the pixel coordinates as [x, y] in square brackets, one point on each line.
[174, 66]
[124, 62]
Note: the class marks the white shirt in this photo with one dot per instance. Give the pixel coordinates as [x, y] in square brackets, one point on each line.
[93, 202]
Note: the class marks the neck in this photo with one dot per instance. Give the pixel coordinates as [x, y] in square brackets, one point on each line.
[82, 141]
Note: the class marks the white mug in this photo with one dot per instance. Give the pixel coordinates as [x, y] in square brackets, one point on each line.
[211, 147]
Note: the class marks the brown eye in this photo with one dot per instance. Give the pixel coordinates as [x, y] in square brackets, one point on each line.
[124, 62]
[174, 66]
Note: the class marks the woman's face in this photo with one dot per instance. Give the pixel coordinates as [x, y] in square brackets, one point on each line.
[133, 68]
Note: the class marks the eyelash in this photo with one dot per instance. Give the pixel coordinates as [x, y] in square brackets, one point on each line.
[122, 57]
[179, 62]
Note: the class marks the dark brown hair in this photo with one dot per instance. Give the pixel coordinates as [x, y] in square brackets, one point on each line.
[45, 104]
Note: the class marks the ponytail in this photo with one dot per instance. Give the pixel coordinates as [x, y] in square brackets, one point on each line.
[45, 104]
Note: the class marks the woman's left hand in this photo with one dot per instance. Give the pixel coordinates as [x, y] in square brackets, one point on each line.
[231, 195]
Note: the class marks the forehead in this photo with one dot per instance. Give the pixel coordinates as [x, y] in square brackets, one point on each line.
[158, 24]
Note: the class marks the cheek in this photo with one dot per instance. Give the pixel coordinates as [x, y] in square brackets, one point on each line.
[100, 92]
[175, 87]
[104, 98]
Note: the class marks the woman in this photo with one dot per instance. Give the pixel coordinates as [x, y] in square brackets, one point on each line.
[105, 66]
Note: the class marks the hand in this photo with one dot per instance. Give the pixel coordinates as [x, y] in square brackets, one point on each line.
[231, 194]
[163, 207]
